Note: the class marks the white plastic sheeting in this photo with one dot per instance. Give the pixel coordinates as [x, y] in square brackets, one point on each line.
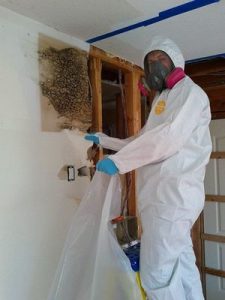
[93, 266]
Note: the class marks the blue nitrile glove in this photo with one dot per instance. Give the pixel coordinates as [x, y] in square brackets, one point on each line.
[107, 166]
[93, 138]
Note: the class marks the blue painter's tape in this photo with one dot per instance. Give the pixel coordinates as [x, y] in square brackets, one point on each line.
[169, 13]
[185, 8]
[221, 55]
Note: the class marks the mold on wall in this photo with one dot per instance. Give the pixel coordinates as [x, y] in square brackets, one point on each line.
[64, 85]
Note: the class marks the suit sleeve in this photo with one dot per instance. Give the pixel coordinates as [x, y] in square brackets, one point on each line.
[166, 139]
[116, 144]
[111, 143]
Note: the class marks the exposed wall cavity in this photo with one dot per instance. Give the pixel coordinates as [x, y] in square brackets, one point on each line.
[64, 82]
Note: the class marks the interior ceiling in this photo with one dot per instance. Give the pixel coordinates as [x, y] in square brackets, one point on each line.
[198, 32]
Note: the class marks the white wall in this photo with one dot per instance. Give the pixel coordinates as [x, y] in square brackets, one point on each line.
[35, 205]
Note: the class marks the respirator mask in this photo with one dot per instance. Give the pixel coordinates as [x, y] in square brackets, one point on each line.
[156, 74]
[159, 77]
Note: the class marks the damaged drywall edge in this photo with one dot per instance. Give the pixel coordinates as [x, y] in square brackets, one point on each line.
[80, 145]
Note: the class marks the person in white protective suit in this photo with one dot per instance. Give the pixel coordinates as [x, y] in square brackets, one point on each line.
[170, 155]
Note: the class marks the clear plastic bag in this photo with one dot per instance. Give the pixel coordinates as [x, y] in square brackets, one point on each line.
[93, 266]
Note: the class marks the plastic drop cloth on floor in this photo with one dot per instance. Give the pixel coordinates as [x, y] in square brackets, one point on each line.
[93, 266]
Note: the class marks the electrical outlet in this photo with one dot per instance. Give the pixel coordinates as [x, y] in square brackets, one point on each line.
[70, 173]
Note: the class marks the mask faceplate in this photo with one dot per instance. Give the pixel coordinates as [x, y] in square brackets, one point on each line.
[156, 74]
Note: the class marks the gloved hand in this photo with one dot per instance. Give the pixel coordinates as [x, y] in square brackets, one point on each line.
[107, 166]
[93, 138]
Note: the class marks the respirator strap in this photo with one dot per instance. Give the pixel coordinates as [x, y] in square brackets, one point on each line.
[175, 76]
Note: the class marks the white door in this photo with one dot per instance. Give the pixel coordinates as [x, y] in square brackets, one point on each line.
[214, 214]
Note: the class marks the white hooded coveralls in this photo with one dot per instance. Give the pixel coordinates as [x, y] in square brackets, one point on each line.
[170, 154]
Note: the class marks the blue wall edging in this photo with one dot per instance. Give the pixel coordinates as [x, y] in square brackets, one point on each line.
[221, 55]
